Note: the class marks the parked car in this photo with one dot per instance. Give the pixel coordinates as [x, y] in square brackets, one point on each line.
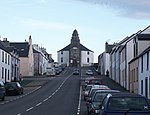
[94, 81]
[93, 89]
[13, 88]
[76, 72]
[89, 72]
[96, 100]
[124, 104]
[2, 91]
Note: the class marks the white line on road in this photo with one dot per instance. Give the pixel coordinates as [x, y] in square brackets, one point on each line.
[29, 109]
[79, 105]
[38, 104]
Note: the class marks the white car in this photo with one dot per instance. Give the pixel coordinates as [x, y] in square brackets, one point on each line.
[89, 72]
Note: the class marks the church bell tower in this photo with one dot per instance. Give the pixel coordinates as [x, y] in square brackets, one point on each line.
[75, 53]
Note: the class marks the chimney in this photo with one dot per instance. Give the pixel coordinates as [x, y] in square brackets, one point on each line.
[30, 40]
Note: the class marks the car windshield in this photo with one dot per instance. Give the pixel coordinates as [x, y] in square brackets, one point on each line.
[99, 96]
[126, 103]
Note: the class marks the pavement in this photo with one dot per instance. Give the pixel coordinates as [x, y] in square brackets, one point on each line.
[111, 83]
[31, 83]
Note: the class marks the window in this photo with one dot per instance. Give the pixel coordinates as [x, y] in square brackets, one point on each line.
[88, 60]
[88, 53]
[2, 56]
[8, 74]
[2, 73]
[142, 64]
[61, 52]
[142, 87]
[6, 58]
[62, 60]
[5, 74]
[147, 60]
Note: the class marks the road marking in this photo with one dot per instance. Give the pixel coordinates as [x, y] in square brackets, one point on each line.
[79, 105]
[38, 104]
[45, 99]
[29, 109]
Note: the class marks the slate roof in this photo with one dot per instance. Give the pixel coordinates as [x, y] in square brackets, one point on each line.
[22, 48]
[109, 48]
[143, 36]
[82, 48]
[3, 47]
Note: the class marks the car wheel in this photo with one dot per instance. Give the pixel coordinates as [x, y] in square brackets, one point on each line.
[3, 98]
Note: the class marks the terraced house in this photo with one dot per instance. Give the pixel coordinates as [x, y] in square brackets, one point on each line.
[129, 62]
[15, 61]
[5, 64]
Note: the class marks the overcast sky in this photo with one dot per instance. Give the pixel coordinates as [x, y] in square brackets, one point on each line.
[51, 22]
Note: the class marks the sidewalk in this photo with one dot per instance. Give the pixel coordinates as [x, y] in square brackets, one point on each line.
[31, 83]
[111, 83]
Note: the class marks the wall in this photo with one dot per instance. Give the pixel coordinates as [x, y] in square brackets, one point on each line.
[6, 66]
[65, 57]
[84, 56]
[143, 75]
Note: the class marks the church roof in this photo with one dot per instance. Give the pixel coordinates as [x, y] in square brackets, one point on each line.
[82, 48]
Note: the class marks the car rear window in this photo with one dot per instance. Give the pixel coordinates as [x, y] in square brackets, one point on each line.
[128, 103]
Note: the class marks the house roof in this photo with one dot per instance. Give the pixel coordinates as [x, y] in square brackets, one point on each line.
[82, 48]
[22, 47]
[143, 36]
[3, 47]
[109, 48]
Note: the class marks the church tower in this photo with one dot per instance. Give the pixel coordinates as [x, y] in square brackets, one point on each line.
[74, 52]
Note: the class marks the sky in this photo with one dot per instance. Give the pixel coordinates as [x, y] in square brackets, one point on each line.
[52, 22]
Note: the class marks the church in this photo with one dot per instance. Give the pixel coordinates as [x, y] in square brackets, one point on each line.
[75, 54]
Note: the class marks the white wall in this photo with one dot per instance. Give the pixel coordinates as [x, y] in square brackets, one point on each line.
[129, 57]
[65, 57]
[107, 62]
[5, 66]
[142, 45]
[145, 74]
[84, 56]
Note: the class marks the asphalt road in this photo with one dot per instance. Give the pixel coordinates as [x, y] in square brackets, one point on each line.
[60, 96]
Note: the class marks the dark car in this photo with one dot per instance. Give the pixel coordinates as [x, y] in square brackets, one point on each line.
[76, 72]
[96, 100]
[2, 91]
[13, 88]
[125, 104]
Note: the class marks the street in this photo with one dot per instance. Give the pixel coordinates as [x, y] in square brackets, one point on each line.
[61, 94]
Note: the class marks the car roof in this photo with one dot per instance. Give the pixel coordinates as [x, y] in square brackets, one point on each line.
[125, 94]
[107, 90]
[99, 86]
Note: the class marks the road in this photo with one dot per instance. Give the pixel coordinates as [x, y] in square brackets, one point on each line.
[60, 96]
